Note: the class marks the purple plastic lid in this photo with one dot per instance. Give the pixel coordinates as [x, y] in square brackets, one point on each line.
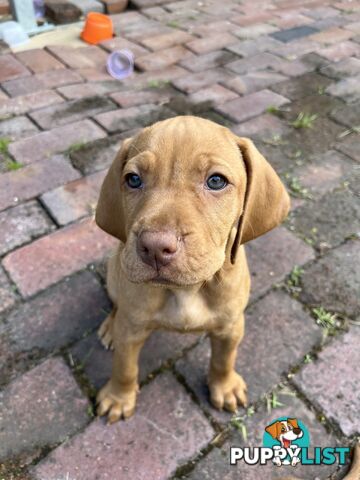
[120, 64]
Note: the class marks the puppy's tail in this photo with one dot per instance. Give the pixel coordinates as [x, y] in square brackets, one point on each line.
[354, 473]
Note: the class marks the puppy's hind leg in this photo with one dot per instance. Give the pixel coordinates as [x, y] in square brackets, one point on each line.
[105, 332]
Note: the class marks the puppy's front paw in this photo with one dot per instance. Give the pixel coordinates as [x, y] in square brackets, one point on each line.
[227, 392]
[105, 332]
[116, 403]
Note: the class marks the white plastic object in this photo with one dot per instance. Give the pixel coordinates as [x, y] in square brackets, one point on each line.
[120, 64]
[13, 34]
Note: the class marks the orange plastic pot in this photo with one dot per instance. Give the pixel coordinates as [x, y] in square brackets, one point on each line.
[98, 27]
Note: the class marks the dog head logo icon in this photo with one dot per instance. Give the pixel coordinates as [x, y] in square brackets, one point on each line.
[285, 431]
[286, 435]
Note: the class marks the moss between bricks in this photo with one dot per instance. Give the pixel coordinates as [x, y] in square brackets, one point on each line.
[9, 163]
[14, 469]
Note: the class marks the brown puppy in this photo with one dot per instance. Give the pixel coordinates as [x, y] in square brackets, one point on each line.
[182, 197]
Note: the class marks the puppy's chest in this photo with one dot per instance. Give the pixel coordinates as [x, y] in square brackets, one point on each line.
[185, 311]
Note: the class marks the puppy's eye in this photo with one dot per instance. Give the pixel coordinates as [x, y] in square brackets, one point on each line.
[133, 180]
[216, 182]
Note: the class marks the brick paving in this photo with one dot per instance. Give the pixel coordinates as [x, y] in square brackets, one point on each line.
[253, 66]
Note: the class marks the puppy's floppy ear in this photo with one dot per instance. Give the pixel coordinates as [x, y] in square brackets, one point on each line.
[266, 200]
[293, 422]
[110, 210]
[273, 429]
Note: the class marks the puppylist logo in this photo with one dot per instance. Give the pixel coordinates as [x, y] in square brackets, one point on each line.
[286, 441]
[286, 437]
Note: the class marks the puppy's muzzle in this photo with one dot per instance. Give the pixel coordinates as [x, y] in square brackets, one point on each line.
[157, 249]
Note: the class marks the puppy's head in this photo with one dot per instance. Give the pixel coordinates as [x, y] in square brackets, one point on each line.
[183, 195]
[285, 431]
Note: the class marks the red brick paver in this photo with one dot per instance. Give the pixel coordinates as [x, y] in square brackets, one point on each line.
[196, 81]
[346, 67]
[77, 58]
[38, 60]
[118, 43]
[97, 155]
[162, 59]
[17, 127]
[47, 261]
[32, 180]
[333, 279]
[133, 117]
[199, 63]
[41, 81]
[254, 81]
[166, 40]
[69, 112]
[342, 222]
[11, 68]
[4, 7]
[130, 99]
[262, 126]
[267, 262]
[164, 413]
[336, 390]
[332, 35]
[340, 51]
[214, 42]
[55, 318]
[30, 101]
[81, 90]
[251, 105]
[21, 224]
[60, 139]
[75, 199]
[325, 174]
[44, 405]
[215, 93]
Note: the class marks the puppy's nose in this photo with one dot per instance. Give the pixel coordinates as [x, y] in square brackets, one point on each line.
[157, 249]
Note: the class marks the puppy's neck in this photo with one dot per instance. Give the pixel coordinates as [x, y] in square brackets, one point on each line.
[186, 290]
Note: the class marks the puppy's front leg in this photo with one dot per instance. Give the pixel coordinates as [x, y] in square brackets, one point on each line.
[118, 397]
[227, 388]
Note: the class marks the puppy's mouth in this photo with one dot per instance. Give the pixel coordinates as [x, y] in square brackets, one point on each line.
[167, 279]
[162, 281]
[286, 443]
